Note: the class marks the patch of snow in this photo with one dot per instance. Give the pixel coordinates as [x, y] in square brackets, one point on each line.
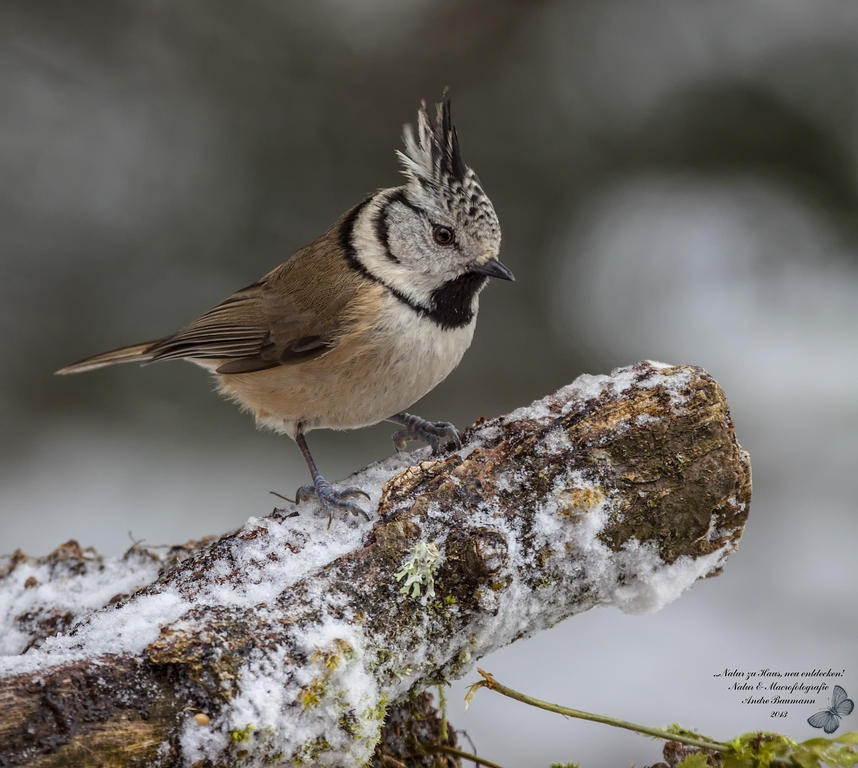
[675, 385]
[656, 583]
[202, 742]
[39, 591]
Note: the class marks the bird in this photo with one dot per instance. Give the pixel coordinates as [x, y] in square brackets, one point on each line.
[358, 325]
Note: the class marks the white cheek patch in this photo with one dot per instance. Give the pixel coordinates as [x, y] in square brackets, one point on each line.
[417, 270]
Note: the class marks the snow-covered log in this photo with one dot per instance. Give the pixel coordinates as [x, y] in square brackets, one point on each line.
[286, 642]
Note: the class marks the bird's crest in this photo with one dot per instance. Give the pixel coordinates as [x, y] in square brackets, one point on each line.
[433, 155]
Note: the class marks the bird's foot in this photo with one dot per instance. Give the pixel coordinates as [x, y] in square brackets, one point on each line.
[432, 432]
[330, 499]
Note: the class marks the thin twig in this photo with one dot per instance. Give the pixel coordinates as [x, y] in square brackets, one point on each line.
[659, 733]
[442, 706]
[442, 748]
[390, 762]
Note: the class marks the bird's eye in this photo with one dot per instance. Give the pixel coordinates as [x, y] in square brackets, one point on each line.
[443, 235]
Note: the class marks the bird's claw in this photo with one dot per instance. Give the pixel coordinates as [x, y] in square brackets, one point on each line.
[331, 499]
[432, 432]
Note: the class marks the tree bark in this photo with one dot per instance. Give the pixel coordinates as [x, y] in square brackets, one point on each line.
[287, 643]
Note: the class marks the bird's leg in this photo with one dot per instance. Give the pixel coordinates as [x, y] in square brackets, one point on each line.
[431, 432]
[321, 489]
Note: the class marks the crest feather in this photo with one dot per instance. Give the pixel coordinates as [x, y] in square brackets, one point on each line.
[433, 155]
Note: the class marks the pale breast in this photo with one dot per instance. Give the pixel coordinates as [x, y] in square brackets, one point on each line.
[389, 357]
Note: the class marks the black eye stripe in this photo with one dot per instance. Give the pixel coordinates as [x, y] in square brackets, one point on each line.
[380, 226]
[399, 196]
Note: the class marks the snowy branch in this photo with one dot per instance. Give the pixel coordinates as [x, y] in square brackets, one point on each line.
[288, 643]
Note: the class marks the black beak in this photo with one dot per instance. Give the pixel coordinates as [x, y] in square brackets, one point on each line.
[493, 268]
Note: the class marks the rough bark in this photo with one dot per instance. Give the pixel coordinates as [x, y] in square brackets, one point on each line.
[283, 643]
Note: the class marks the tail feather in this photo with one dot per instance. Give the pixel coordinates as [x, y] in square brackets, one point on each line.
[135, 353]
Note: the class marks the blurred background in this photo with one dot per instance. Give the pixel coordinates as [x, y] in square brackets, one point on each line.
[676, 181]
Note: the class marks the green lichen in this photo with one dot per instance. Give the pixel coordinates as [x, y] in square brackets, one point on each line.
[463, 658]
[311, 695]
[419, 569]
[246, 734]
[378, 712]
[333, 657]
[309, 753]
[329, 659]
[349, 723]
[382, 656]
[544, 581]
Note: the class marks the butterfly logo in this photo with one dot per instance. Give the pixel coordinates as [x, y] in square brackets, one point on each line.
[829, 719]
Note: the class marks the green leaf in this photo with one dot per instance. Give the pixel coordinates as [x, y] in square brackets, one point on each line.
[694, 760]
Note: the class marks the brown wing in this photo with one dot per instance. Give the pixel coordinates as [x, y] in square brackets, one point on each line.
[295, 313]
[254, 329]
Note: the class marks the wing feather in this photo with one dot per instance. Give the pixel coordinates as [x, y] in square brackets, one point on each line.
[252, 330]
